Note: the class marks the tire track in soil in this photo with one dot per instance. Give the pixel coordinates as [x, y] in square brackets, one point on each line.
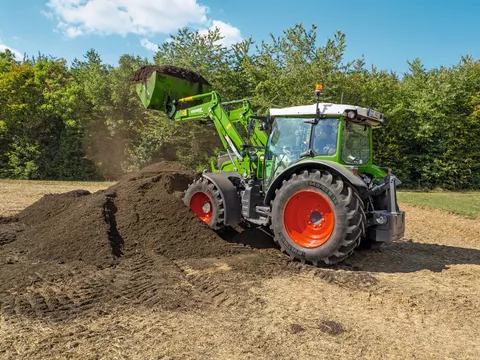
[226, 281]
[58, 301]
[154, 281]
[208, 283]
[147, 280]
[151, 280]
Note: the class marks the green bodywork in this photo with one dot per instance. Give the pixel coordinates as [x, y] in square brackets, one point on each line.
[185, 100]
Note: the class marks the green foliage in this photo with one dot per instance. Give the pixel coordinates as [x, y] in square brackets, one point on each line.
[85, 121]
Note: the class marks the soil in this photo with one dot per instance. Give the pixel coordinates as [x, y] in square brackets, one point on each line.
[122, 245]
[130, 273]
[145, 72]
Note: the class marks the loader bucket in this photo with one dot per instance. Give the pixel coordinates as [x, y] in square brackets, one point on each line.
[158, 86]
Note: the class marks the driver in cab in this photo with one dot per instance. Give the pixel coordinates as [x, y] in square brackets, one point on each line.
[325, 141]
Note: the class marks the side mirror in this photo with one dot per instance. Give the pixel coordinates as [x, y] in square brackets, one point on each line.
[264, 127]
[265, 122]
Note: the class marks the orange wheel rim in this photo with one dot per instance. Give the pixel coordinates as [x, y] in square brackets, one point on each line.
[309, 219]
[201, 205]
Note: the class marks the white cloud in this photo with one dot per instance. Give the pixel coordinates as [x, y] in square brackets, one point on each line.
[149, 45]
[141, 17]
[71, 31]
[18, 55]
[47, 14]
[231, 34]
[122, 17]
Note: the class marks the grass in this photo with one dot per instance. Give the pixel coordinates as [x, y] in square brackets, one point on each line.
[15, 195]
[465, 204]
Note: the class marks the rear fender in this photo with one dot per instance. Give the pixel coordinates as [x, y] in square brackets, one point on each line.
[228, 192]
[331, 166]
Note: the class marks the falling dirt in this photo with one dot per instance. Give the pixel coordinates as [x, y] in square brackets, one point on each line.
[130, 273]
[145, 72]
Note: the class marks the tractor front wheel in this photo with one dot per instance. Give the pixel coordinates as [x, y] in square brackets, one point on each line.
[317, 217]
[204, 199]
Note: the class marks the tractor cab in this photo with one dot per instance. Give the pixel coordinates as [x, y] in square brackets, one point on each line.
[330, 132]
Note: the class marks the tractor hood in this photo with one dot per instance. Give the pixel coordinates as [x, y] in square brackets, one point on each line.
[353, 113]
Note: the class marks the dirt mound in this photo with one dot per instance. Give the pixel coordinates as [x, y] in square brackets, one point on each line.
[72, 226]
[138, 213]
[145, 72]
[132, 243]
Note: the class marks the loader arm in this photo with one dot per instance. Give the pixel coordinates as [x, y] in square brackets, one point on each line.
[243, 115]
[212, 109]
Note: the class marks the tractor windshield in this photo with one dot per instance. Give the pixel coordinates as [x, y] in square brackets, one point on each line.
[290, 138]
[355, 147]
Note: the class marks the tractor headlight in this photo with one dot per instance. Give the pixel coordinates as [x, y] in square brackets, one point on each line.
[351, 114]
[382, 220]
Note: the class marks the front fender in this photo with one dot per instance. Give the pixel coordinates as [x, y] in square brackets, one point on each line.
[334, 167]
[228, 192]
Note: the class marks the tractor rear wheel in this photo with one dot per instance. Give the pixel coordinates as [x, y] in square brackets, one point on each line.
[317, 217]
[204, 199]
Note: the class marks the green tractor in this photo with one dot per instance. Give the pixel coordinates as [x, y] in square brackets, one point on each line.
[305, 172]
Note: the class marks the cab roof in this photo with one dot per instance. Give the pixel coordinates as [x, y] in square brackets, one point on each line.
[362, 115]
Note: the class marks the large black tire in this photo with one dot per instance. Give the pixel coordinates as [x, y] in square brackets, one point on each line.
[204, 191]
[347, 209]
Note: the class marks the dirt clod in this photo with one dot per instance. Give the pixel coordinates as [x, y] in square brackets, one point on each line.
[331, 327]
[296, 328]
[9, 231]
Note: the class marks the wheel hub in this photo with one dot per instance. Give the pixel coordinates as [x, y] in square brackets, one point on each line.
[201, 205]
[206, 207]
[316, 218]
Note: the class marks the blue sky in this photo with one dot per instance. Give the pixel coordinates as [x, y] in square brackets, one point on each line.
[387, 33]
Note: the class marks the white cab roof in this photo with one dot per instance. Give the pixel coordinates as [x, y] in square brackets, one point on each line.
[370, 116]
[325, 109]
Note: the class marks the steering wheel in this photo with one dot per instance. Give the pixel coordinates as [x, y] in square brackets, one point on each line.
[354, 159]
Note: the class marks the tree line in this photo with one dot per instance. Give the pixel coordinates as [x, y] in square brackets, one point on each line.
[83, 121]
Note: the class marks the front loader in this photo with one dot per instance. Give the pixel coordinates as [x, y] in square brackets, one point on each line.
[305, 172]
